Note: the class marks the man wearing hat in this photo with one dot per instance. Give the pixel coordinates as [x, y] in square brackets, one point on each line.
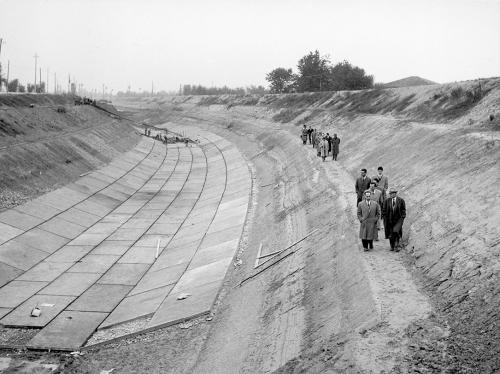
[362, 184]
[368, 215]
[393, 214]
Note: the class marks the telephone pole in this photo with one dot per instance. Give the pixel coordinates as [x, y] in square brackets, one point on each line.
[8, 71]
[55, 83]
[36, 59]
[47, 83]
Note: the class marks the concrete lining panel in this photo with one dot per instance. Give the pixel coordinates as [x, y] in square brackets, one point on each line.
[70, 284]
[16, 292]
[100, 298]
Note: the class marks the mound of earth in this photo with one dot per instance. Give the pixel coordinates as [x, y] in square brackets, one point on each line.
[409, 82]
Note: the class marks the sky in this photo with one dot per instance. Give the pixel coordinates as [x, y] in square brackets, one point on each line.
[122, 43]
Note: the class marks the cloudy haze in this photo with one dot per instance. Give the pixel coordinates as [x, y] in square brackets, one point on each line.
[236, 42]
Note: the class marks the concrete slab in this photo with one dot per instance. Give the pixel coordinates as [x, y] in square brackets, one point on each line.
[222, 236]
[148, 240]
[172, 257]
[173, 311]
[88, 239]
[62, 228]
[93, 207]
[136, 306]
[139, 255]
[70, 253]
[118, 218]
[70, 284]
[68, 331]
[4, 311]
[127, 234]
[201, 275]
[94, 264]
[139, 222]
[160, 278]
[8, 232]
[100, 298]
[37, 209]
[8, 273]
[164, 228]
[45, 271]
[42, 240]
[215, 253]
[103, 228]
[112, 247]
[19, 255]
[19, 220]
[16, 292]
[79, 217]
[49, 305]
[125, 274]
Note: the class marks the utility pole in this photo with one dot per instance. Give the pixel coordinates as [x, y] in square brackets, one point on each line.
[55, 83]
[40, 79]
[36, 59]
[47, 83]
[151, 88]
[8, 71]
[1, 41]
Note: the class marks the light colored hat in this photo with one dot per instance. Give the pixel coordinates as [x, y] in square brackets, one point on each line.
[393, 190]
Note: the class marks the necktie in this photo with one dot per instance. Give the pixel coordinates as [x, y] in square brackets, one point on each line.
[393, 203]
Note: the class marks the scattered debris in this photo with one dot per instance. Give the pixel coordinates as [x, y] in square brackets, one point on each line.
[77, 353]
[183, 296]
[275, 253]
[258, 256]
[84, 174]
[36, 312]
[266, 185]
[186, 325]
[107, 371]
[209, 318]
[47, 305]
[238, 262]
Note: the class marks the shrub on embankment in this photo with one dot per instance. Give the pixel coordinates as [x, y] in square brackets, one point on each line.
[43, 148]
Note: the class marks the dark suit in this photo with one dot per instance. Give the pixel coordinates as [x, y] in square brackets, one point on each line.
[361, 186]
[393, 217]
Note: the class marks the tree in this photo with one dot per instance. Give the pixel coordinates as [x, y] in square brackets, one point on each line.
[21, 88]
[313, 73]
[344, 76]
[281, 80]
[13, 85]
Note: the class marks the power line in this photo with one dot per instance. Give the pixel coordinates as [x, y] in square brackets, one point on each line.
[36, 59]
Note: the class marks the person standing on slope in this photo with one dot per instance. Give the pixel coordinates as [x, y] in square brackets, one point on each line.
[304, 135]
[323, 148]
[362, 184]
[368, 215]
[335, 147]
[394, 214]
[382, 182]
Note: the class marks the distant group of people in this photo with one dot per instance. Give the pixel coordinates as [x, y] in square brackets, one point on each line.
[323, 143]
[375, 206]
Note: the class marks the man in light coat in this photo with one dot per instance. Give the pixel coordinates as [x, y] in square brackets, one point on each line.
[335, 147]
[394, 214]
[368, 215]
[382, 182]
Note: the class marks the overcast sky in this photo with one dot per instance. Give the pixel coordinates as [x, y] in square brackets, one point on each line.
[237, 42]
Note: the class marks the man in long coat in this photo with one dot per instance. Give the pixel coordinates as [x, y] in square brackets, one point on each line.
[362, 184]
[335, 147]
[368, 215]
[394, 214]
[303, 134]
[382, 181]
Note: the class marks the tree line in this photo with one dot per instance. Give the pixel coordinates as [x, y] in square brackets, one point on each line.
[317, 73]
[189, 89]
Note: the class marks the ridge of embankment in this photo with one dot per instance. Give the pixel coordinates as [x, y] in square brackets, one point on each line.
[440, 145]
[46, 142]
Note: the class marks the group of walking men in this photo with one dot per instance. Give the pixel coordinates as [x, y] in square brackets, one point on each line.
[323, 143]
[374, 206]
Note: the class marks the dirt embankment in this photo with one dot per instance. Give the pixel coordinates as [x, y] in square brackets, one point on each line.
[440, 145]
[46, 142]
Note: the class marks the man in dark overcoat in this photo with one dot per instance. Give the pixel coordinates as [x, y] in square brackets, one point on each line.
[335, 147]
[368, 215]
[394, 214]
[362, 184]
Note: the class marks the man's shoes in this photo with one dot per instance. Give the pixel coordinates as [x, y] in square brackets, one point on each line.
[392, 249]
